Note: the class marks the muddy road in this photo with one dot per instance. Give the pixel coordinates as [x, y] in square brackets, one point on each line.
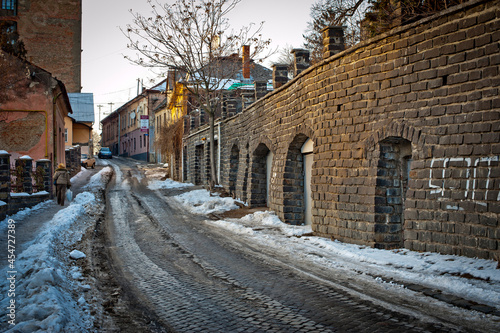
[166, 270]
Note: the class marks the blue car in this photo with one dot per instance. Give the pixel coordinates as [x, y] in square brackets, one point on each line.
[104, 152]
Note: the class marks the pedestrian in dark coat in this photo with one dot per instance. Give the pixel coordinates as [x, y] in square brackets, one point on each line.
[62, 182]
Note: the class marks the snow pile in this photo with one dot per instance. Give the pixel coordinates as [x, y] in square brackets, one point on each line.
[44, 294]
[201, 202]
[166, 184]
[82, 174]
[100, 179]
[48, 294]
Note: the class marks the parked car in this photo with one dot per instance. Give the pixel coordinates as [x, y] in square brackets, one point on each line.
[104, 152]
[87, 162]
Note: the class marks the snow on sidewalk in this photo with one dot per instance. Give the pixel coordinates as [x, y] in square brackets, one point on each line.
[473, 279]
[48, 294]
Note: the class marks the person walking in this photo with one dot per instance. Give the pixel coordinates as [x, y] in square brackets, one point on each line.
[62, 182]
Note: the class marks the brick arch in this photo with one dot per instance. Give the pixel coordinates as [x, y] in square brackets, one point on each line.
[393, 129]
[263, 139]
[259, 172]
[304, 130]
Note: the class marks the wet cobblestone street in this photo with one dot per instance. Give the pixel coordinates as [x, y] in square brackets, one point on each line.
[196, 280]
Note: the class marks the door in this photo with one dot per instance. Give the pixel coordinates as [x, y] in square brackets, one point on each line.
[308, 159]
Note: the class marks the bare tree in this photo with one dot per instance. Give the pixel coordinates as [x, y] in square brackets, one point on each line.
[195, 37]
[346, 13]
[383, 15]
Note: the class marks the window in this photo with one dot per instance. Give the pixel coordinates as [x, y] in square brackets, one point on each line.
[9, 4]
[65, 135]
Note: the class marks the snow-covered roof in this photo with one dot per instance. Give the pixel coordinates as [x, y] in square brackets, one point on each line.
[83, 107]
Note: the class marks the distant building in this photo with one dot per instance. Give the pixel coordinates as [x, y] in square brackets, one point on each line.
[52, 34]
[78, 126]
[127, 130]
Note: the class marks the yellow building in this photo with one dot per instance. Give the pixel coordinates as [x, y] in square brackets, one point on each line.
[169, 125]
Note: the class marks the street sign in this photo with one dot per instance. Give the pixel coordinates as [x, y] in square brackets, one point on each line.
[144, 123]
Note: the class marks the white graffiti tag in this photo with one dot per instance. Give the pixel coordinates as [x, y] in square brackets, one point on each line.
[473, 175]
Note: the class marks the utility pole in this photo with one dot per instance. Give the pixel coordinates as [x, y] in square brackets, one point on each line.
[100, 125]
[140, 86]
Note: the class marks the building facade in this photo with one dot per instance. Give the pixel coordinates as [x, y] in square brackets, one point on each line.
[127, 131]
[32, 117]
[52, 33]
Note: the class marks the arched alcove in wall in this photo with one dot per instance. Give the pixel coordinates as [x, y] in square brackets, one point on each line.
[393, 175]
[261, 175]
[294, 200]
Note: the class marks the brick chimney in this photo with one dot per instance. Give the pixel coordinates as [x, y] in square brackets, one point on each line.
[245, 50]
[333, 40]
[301, 60]
[280, 75]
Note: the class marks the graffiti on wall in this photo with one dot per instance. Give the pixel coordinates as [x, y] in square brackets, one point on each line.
[469, 178]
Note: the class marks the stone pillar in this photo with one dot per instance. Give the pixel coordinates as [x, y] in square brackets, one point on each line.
[202, 117]
[333, 41]
[260, 89]
[70, 165]
[192, 124]
[301, 60]
[280, 75]
[78, 157]
[247, 98]
[67, 156]
[26, 163]
[4, 175]
[46, 166]
[232, 106]
[186, 123]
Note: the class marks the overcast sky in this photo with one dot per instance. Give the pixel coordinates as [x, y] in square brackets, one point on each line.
[112, 79]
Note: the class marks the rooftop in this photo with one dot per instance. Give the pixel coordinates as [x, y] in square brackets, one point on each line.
[83, 107]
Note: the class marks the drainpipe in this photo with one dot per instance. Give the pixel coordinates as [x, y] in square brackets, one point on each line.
[218, 159]
[182, 161]
[119, 133]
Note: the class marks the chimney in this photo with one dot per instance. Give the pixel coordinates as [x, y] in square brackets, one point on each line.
[280, 75]
[245, 50]
[333, 40]
[301, 60]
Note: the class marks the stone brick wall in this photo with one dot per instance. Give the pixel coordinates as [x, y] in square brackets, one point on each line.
[406, 133]
[11, 203]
